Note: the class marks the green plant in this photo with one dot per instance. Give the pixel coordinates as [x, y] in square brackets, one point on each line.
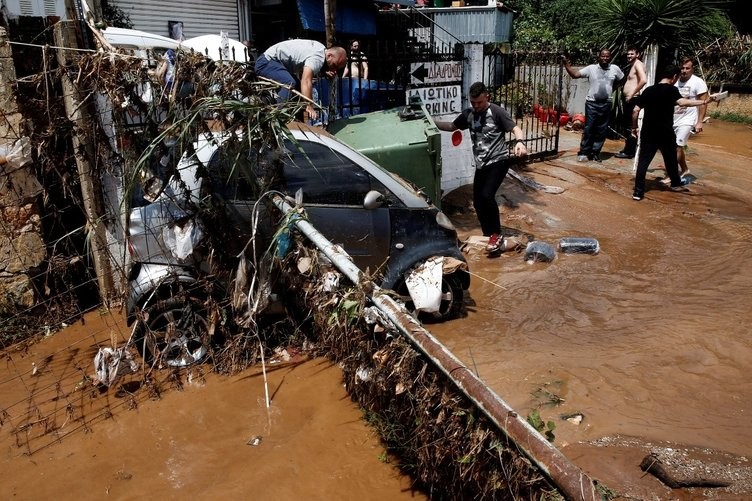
[732, 117]
[669, 24]
[534, 419]
[516, 95]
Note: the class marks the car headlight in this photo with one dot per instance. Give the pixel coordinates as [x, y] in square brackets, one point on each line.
[444, 221]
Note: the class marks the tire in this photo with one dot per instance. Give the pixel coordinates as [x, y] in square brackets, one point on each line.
[173, 332]
[452, 299]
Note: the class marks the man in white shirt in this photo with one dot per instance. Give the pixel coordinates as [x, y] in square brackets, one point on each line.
[688, 119]
[603, 78]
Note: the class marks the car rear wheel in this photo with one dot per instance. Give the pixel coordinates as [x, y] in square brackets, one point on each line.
[173, 333]
[452, 297]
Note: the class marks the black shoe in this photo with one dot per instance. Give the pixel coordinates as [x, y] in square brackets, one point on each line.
[622, 154]
[682, 186]
[596, 157]
[638, 195]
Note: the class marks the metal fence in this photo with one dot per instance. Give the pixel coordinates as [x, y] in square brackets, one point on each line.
[394, 62]
[530, 86]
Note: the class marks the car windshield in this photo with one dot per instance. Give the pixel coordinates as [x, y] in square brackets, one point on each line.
[325, 176]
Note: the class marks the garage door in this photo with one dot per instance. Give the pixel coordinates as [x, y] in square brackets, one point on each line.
[198, 17]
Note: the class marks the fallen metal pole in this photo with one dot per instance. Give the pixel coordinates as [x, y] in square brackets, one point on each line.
[569, 478]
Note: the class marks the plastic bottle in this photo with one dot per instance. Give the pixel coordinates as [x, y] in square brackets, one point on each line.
[579, 245]
[539, 251]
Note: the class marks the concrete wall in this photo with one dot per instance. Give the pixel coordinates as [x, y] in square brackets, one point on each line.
[740, 104]
[22, 248]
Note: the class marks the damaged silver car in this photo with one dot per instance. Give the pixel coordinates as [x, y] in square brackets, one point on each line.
[380, 220]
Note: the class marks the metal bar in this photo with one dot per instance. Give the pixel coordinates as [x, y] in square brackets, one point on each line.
[569, 478]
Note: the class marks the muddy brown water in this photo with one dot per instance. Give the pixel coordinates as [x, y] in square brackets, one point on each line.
[649, 338]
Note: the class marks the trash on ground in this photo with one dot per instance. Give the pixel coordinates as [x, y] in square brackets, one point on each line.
[579, 245]
[111, 364]
[539, 252]
[575, 418]
[424, 285]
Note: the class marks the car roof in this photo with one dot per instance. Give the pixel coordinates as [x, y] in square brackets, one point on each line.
[211, 46]
[137, 39]
[205, 44]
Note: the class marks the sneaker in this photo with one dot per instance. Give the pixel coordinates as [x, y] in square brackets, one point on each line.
[623, 154]
[679, 189]
[495, 243]
[596, 157]
[582, 158]
[638, 195]
[666, 180]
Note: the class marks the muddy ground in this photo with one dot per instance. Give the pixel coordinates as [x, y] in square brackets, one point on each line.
[647, 339]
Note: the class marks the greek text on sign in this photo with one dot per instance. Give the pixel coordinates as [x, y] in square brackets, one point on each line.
[439, 100]
[436, 72]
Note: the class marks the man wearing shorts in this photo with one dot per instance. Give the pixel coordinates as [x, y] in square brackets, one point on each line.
[687, 119]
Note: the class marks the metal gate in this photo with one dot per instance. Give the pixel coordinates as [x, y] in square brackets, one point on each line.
[398, 62]
[530, 86]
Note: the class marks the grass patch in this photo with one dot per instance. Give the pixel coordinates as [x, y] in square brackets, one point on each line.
[732, 117]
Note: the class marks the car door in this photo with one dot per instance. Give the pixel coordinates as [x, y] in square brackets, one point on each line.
[334, 188]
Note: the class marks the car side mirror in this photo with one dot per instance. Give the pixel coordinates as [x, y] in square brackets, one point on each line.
[373, 200]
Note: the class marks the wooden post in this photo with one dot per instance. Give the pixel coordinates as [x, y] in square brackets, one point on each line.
[330, 17]
[83, 148]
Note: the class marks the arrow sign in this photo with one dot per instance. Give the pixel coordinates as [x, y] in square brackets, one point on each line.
[436, 72]
[420, 73]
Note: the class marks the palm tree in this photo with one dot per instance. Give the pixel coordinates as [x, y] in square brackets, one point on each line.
[676, 25]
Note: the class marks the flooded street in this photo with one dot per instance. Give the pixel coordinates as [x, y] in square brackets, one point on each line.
[648, 339]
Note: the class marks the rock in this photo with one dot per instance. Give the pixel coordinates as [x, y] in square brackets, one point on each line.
[22, 253]
[695, 467]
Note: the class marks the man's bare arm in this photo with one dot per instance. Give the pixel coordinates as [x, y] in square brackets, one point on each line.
[306, 88]
[572, 72]
[445, 126]
[701, 110]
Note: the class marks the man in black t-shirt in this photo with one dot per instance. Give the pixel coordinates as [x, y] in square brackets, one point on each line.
[488, 124]
[657, 131]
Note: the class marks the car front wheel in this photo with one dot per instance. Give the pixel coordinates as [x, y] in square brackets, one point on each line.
[452, 297]
[173, 332]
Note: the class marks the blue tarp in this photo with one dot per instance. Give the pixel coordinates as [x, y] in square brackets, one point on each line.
[354, 17]
[362, 96]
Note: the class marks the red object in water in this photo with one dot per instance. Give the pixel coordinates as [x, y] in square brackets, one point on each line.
[579, 117]
[456, 137]
[563, 118]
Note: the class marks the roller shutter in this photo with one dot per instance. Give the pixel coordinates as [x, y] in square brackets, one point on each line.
[198, 17]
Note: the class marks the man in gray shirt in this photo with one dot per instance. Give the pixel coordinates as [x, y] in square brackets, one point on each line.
[488, 124]
[294, 63]
[603, 77]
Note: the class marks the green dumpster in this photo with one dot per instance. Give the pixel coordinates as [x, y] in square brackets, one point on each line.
[402, 140]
